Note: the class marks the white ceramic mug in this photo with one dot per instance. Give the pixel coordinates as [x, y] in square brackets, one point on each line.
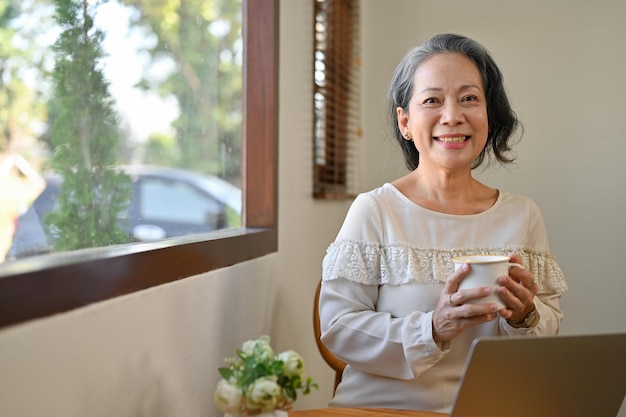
[484, 272]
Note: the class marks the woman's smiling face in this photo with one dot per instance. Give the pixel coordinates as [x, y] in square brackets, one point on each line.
[447, 115]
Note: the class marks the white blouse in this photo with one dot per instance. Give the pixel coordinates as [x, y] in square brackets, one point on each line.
[382, 278]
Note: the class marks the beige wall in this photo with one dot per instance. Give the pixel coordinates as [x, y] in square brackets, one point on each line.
[155, 353]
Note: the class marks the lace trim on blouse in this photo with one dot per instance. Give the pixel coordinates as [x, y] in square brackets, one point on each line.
[375, 264]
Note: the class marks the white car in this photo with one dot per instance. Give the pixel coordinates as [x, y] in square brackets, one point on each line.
[165, 202]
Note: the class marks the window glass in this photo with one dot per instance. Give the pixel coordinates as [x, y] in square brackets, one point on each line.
[175, 201]
[96, 91]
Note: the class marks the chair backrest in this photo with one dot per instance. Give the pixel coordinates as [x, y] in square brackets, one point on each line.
[335, 363]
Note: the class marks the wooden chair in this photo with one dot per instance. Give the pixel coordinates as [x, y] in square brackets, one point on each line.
[335, 363]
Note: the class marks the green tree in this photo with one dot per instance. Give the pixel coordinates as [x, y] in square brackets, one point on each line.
[85, 137]
[203, 39]
[161, 149]
[21, 105]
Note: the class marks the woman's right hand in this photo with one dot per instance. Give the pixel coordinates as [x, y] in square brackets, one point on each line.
[453, 315]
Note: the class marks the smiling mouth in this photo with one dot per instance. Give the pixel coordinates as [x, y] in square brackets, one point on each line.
[455, 139]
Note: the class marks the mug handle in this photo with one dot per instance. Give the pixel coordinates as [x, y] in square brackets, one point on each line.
[513, 264]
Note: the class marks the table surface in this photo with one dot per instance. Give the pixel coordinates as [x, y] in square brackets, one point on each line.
[363, 412]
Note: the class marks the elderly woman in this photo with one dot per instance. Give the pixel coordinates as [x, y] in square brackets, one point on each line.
[390, 306]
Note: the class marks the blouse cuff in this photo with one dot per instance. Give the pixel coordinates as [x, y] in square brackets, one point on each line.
[421, 351]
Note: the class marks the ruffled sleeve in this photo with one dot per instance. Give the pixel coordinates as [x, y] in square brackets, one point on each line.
[545, 269]
[377, 264]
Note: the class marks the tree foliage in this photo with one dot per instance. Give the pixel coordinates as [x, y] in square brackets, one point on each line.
[21, 105]
[203, 38]
[85, 136]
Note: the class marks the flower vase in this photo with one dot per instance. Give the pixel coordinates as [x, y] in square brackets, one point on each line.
[273, 413]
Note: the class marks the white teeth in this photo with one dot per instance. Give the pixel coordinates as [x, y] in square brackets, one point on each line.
[457, 139]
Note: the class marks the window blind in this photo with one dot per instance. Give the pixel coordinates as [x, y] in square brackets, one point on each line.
[337, 126]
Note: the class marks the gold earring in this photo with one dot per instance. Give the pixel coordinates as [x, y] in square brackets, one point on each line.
[408, 135]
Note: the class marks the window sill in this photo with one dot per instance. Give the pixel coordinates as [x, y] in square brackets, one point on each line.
[40, 286]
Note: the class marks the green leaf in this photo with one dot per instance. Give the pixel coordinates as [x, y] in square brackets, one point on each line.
[226, 373]
[290, 393]
[296, 381]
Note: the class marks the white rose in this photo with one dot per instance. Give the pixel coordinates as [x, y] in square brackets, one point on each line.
[264, 395]
[263, 342]
[227, 397]
[294, 363]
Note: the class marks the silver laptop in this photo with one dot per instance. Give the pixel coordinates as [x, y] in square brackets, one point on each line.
[546, 376]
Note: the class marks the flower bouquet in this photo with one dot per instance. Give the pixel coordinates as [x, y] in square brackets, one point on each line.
[258, 382]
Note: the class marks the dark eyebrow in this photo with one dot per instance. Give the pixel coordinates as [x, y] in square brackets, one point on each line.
[468, 86]
[430, 89]
[463, 87]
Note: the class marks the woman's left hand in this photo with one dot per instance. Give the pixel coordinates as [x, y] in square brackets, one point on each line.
[518, 292]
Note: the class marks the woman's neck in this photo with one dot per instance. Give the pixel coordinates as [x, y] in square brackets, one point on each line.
[447, 192]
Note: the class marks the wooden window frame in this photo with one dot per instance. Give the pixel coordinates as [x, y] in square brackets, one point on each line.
[46, 285]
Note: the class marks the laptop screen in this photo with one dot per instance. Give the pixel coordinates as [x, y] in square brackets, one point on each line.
[543, 376]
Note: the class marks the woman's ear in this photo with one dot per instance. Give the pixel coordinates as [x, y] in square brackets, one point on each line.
[403, 123]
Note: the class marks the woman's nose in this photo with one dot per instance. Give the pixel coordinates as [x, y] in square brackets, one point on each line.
[451, 114]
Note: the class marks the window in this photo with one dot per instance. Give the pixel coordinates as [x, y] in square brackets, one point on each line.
[41, 286]
[336, 97]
